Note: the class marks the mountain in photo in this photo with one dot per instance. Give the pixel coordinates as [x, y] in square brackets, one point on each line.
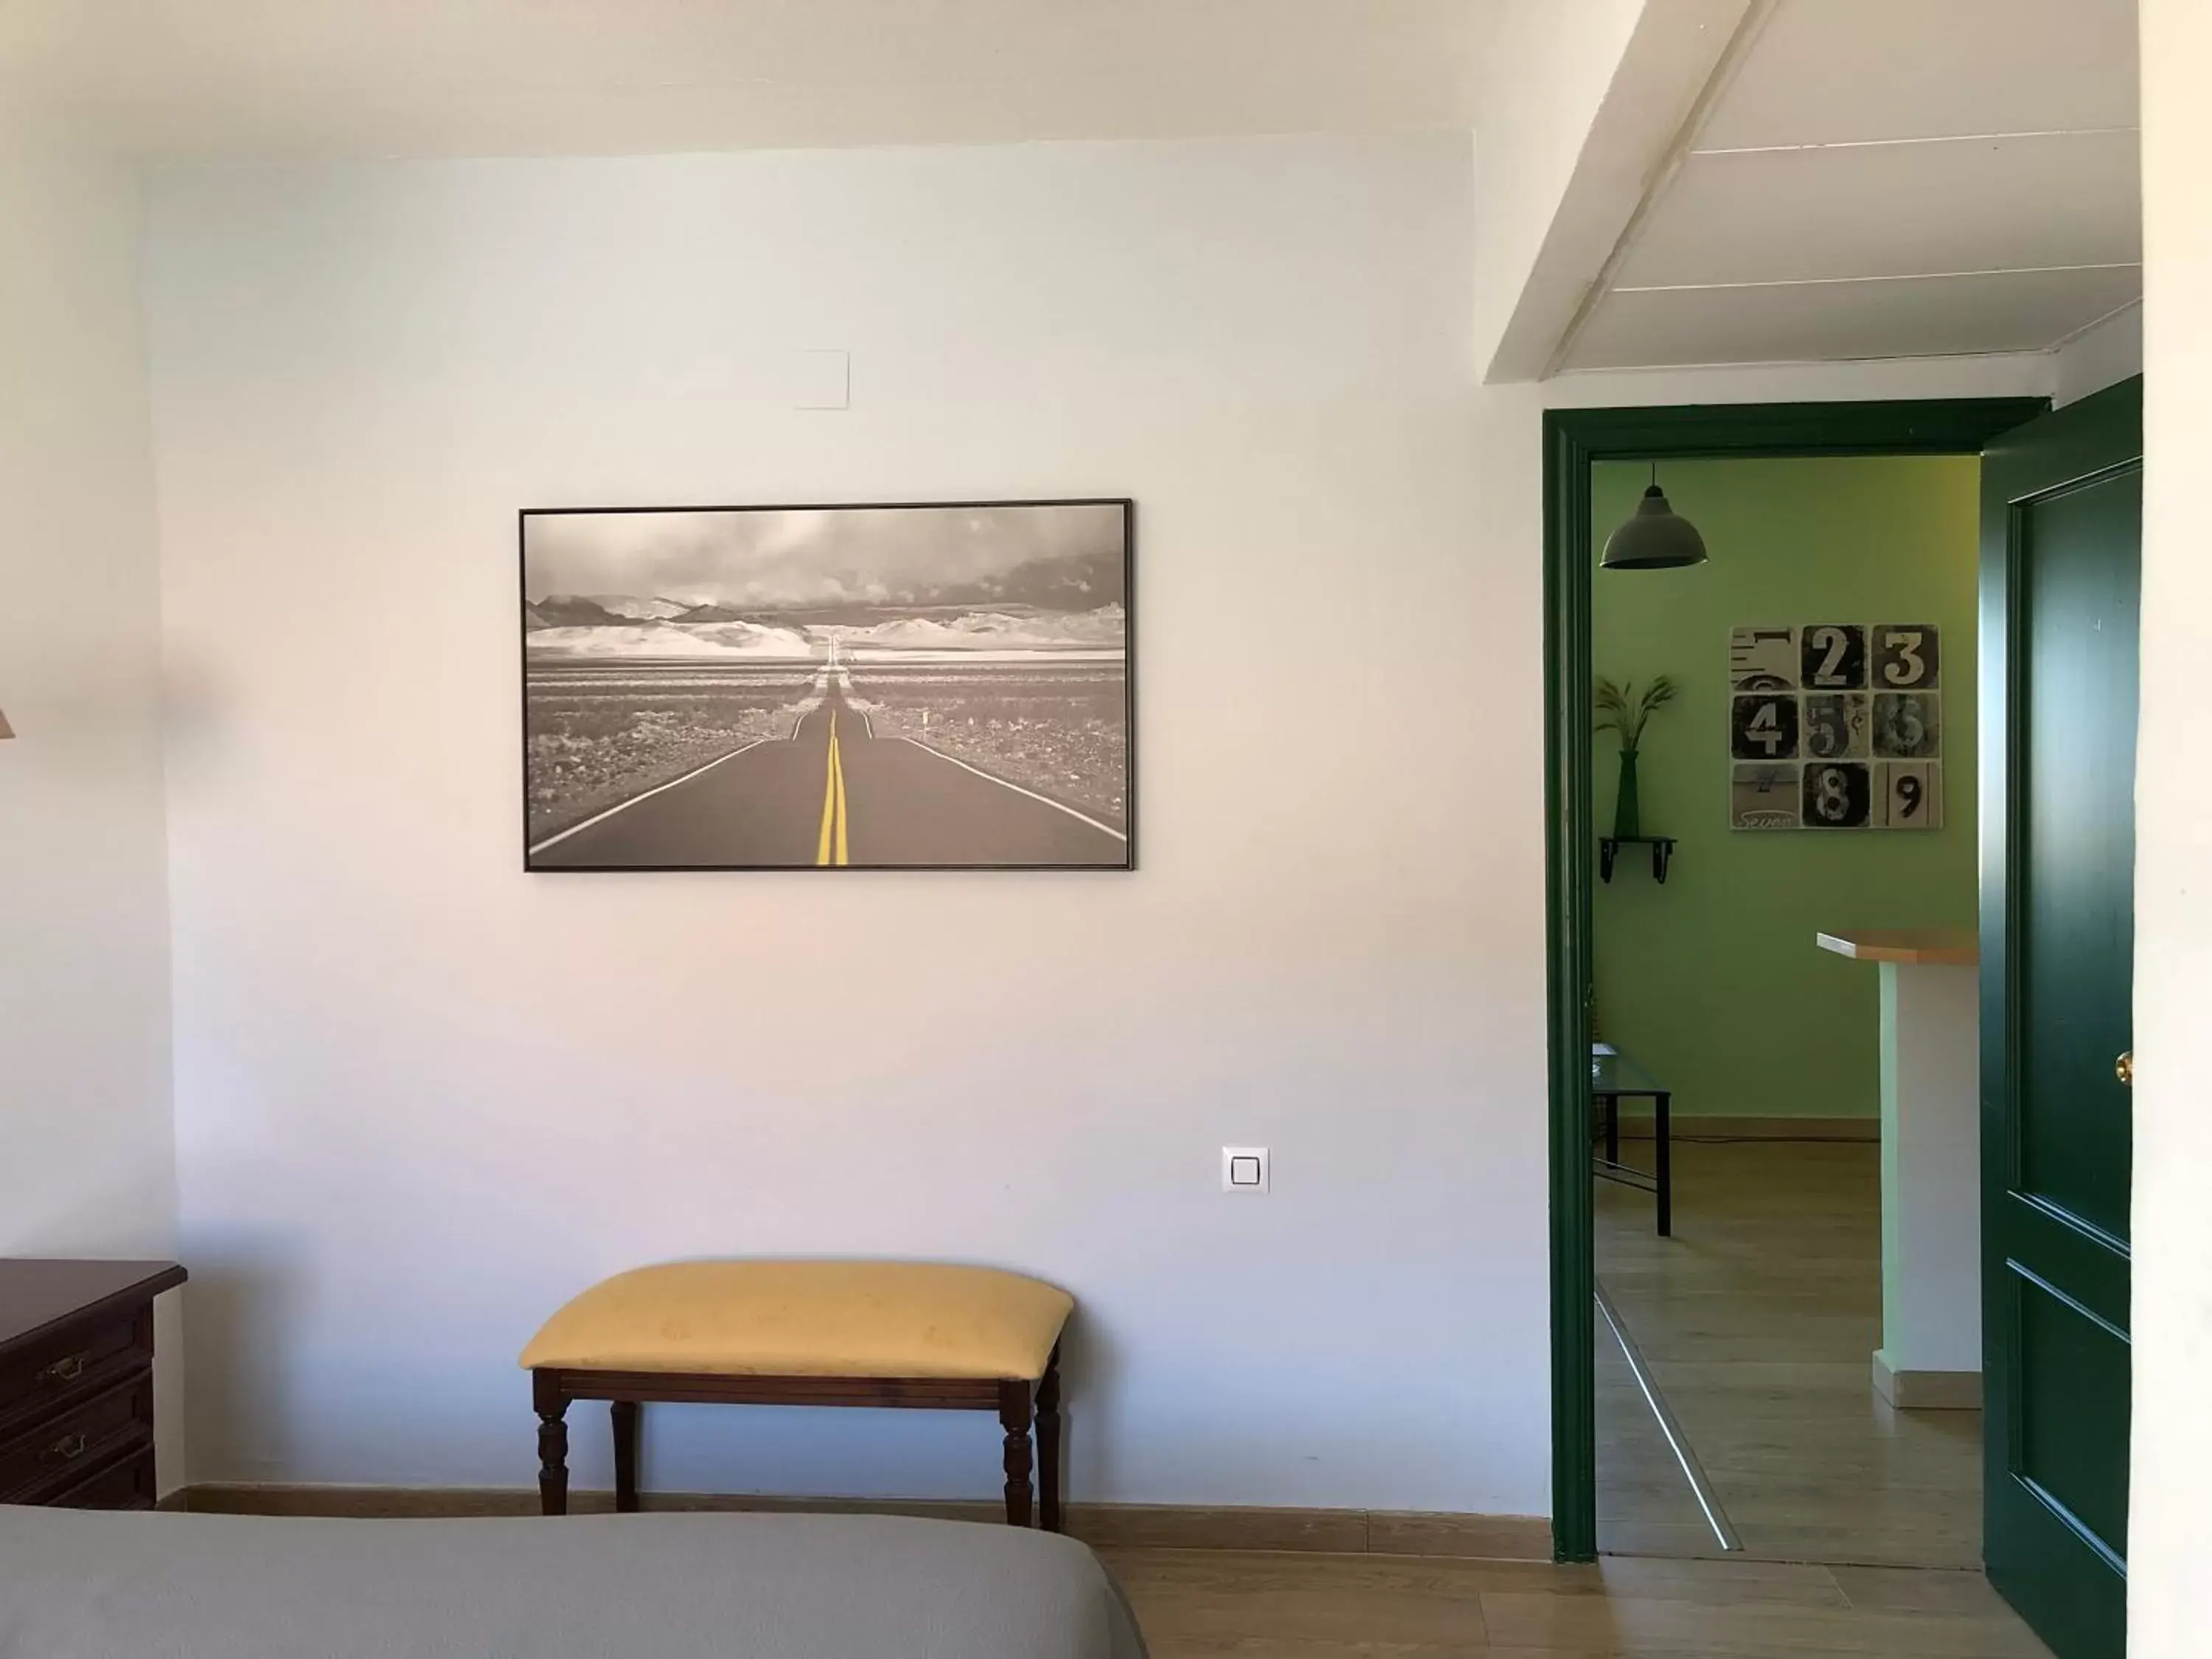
[571, 611]
[627, 608]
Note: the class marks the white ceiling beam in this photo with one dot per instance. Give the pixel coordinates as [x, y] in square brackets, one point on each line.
[1530, 289]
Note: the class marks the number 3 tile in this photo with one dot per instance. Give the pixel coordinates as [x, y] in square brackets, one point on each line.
[1907, 656]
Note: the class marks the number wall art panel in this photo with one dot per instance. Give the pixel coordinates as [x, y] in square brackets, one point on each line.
[1836, 726]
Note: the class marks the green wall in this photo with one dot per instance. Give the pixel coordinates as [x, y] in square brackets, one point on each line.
[1713, 981]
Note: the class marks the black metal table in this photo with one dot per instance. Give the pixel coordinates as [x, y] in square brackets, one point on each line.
[1614, 1074]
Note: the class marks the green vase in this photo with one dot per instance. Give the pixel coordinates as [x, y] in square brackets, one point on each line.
[1627, 812]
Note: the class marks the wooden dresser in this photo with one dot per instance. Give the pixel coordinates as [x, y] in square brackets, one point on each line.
[76, 1382]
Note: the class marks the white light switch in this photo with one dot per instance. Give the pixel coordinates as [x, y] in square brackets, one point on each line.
[821, 379]
[1243, 1169]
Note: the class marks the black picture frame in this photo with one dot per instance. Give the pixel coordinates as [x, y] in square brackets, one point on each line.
[533, 846]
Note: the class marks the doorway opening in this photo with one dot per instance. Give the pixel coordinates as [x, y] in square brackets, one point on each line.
[1590, 456]
[1790, 724]
[1781, 1222]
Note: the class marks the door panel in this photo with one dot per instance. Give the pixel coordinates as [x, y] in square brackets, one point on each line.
[2077, 843]
[2061, 506]
[2071, 1448]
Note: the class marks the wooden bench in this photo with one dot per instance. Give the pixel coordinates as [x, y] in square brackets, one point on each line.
[917, 1335]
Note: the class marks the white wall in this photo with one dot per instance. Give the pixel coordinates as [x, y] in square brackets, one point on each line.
[86, 1165]
[84, 980]
[422, 1097]
[2169, 1595]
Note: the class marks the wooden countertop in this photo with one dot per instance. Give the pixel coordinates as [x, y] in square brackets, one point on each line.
[1931, 947]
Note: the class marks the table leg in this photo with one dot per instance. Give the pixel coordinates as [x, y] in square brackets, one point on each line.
[1662, 1105]
[552, 1445]
[1048, 1443]
[625, 1414]
[1612, 1128]
[1014, 1418]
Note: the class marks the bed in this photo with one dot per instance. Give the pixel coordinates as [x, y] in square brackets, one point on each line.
[77, 1584]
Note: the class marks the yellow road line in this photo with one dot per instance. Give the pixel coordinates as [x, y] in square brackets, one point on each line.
[829, 796]
[830, 845]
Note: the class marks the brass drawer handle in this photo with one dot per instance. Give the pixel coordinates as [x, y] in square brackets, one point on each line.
[69, 1447]
[64, 1370]
[2124, 1069]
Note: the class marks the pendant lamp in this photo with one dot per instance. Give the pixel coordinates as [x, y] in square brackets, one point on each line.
[1653, 537]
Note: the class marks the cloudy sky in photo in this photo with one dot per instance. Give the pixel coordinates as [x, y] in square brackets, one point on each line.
[792, 558]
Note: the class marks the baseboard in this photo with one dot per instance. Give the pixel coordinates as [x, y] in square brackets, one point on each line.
[1463, 1536]
[1104, 1526]
[1707, 1127]
[1926, 1391]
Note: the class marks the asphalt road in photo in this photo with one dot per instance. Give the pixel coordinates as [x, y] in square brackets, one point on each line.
[832, 794]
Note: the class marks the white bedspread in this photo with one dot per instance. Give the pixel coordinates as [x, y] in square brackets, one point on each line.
[79, 1585]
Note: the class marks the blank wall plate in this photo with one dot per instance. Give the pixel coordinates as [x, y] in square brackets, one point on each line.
[1244, 1169]
[821, 379]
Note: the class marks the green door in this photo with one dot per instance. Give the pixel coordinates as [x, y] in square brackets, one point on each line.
[2062, 556]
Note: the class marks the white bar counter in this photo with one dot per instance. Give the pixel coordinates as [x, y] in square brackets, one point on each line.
[1931, 1181]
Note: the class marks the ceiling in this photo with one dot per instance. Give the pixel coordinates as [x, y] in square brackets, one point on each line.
[1861, 178]
[1887, 179]
[286, 78]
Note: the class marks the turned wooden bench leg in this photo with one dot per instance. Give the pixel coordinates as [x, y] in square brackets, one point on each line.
[624, 1414]
[1048, 1445]
[552, 1444]
[1014, 1417]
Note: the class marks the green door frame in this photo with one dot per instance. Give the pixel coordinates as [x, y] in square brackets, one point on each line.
[1575, 439]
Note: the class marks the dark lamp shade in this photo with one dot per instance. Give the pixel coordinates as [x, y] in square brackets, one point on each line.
[1653, 538]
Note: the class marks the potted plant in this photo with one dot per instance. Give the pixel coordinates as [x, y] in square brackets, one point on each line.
[1622, 709]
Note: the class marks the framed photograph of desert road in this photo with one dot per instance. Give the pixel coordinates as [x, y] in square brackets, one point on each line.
[907, 685]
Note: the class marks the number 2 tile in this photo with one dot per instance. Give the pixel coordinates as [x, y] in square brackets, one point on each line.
[1832, 657]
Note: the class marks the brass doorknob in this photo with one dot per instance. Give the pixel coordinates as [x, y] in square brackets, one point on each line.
[2124, 1068]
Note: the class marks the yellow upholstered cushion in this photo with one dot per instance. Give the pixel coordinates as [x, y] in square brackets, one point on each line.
[809, 1319]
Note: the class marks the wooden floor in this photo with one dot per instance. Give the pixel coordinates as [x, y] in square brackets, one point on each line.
[1194, 1603]
[1757, 1320]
